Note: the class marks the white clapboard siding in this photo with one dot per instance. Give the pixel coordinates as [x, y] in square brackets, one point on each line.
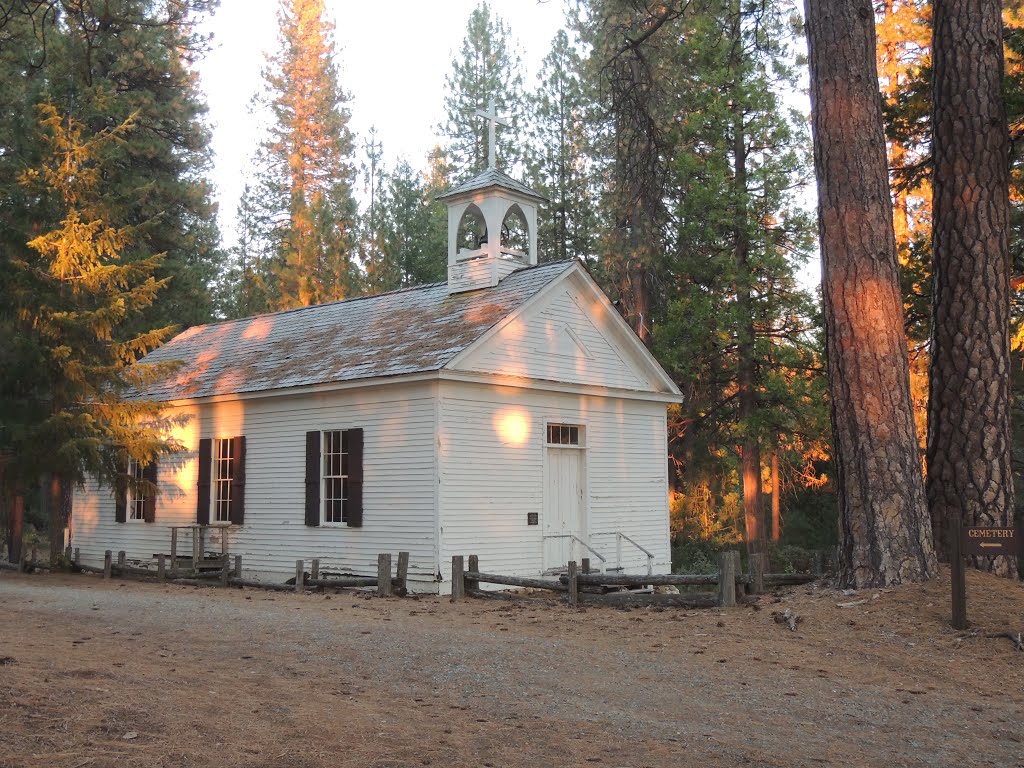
[566, 337]
[398, 496]
[491, 458]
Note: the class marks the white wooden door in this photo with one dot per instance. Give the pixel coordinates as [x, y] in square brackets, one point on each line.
[563, 506]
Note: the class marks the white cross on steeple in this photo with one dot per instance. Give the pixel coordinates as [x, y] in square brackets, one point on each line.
[491, 115]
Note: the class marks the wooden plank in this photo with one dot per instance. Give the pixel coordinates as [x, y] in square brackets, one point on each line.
[784, 579]
[384, 588]
[624, 580]
[402, 574]
[574, 586]
[726, 580]
[517, 581]
[342, 582]
[640, 599]
[300, 576]
[458, 578]
[255, 584]
[197, 551]
[314, 571]
[474, 567]
[108, 557]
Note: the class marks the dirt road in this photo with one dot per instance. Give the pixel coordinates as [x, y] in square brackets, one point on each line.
[129, 674]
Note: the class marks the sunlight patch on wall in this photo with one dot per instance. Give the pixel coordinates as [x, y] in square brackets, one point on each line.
[512, 426]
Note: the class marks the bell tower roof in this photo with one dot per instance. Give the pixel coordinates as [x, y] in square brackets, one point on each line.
[492, 222]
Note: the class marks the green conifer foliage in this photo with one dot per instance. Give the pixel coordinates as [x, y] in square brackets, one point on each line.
[488, 67]
[306, 166]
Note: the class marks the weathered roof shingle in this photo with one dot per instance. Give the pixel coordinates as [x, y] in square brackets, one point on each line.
[408, 331]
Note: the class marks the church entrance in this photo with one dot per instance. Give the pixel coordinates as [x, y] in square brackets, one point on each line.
[564, 495]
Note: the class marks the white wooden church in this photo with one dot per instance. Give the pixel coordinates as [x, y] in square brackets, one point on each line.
[509, 413]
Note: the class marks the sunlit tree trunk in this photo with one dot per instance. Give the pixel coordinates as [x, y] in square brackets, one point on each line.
[885, 529]
[753, 506]
[776, 500]
[969, 472]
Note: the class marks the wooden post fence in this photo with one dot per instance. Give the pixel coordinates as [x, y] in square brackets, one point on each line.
[402, 574]
[161, 565]
[107, 558]
[574, 586]
[458, 578]
[300, 576]
[384, 575]
[726, 580]
[474, 566]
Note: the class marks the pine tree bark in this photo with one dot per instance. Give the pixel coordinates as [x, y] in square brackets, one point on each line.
[776, 498]
[884, 524]
[970, 477]
[746, 374]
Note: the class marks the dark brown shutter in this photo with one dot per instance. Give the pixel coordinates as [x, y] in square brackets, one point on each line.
[203, 494]
[354, 491]
[149, 474]
[237, 511]
[121, 492]
[313, 478]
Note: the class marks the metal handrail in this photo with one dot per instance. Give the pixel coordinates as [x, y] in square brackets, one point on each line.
[586, 546]
[619, 536]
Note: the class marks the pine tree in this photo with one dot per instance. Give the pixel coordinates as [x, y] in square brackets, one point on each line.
[74, 294]
[886, 531]
[558, 162]
[489, 67]
[412, 256]
[306, 164]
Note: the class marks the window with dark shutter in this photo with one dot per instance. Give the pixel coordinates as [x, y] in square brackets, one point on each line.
[313, 478]
[203, 488]
[121, 494]
[236, 502]
[149, 474]
[354, 486]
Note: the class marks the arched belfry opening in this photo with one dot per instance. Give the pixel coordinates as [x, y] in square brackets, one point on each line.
[492, 224]
[515, 233]
[472, 231]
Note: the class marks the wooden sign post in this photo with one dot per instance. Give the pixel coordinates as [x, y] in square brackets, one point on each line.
[976, 541]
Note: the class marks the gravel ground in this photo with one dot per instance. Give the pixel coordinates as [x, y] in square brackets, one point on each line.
[124, 673]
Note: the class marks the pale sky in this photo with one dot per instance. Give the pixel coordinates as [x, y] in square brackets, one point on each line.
[393, 58]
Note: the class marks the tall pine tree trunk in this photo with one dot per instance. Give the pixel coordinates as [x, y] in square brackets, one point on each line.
[776, 499]
[885, 529]
[753, 507]
[970, 477]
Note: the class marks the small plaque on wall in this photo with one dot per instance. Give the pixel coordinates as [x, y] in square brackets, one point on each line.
[531, 518]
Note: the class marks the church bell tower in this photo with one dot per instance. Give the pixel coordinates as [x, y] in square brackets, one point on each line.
[492, 223]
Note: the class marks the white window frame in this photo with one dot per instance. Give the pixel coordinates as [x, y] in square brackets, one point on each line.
[135, 498]
[221, 477]
[333, 478]
[565, 433]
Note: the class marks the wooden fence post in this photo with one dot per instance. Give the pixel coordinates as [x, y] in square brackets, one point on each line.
[816, 567]
[300, 575]
[726, 580]
[402, 574]
[585, 565]
[458, 579]
[174, 553]
[78, 559]
[107, 557]
[384, 575]
[314, 571]
[161, 565]
[67, 554]
[757, 568]
[238, 566]
[574, 586]
[225, 570]
[474, 566]
[121, 559]
[197, 549]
